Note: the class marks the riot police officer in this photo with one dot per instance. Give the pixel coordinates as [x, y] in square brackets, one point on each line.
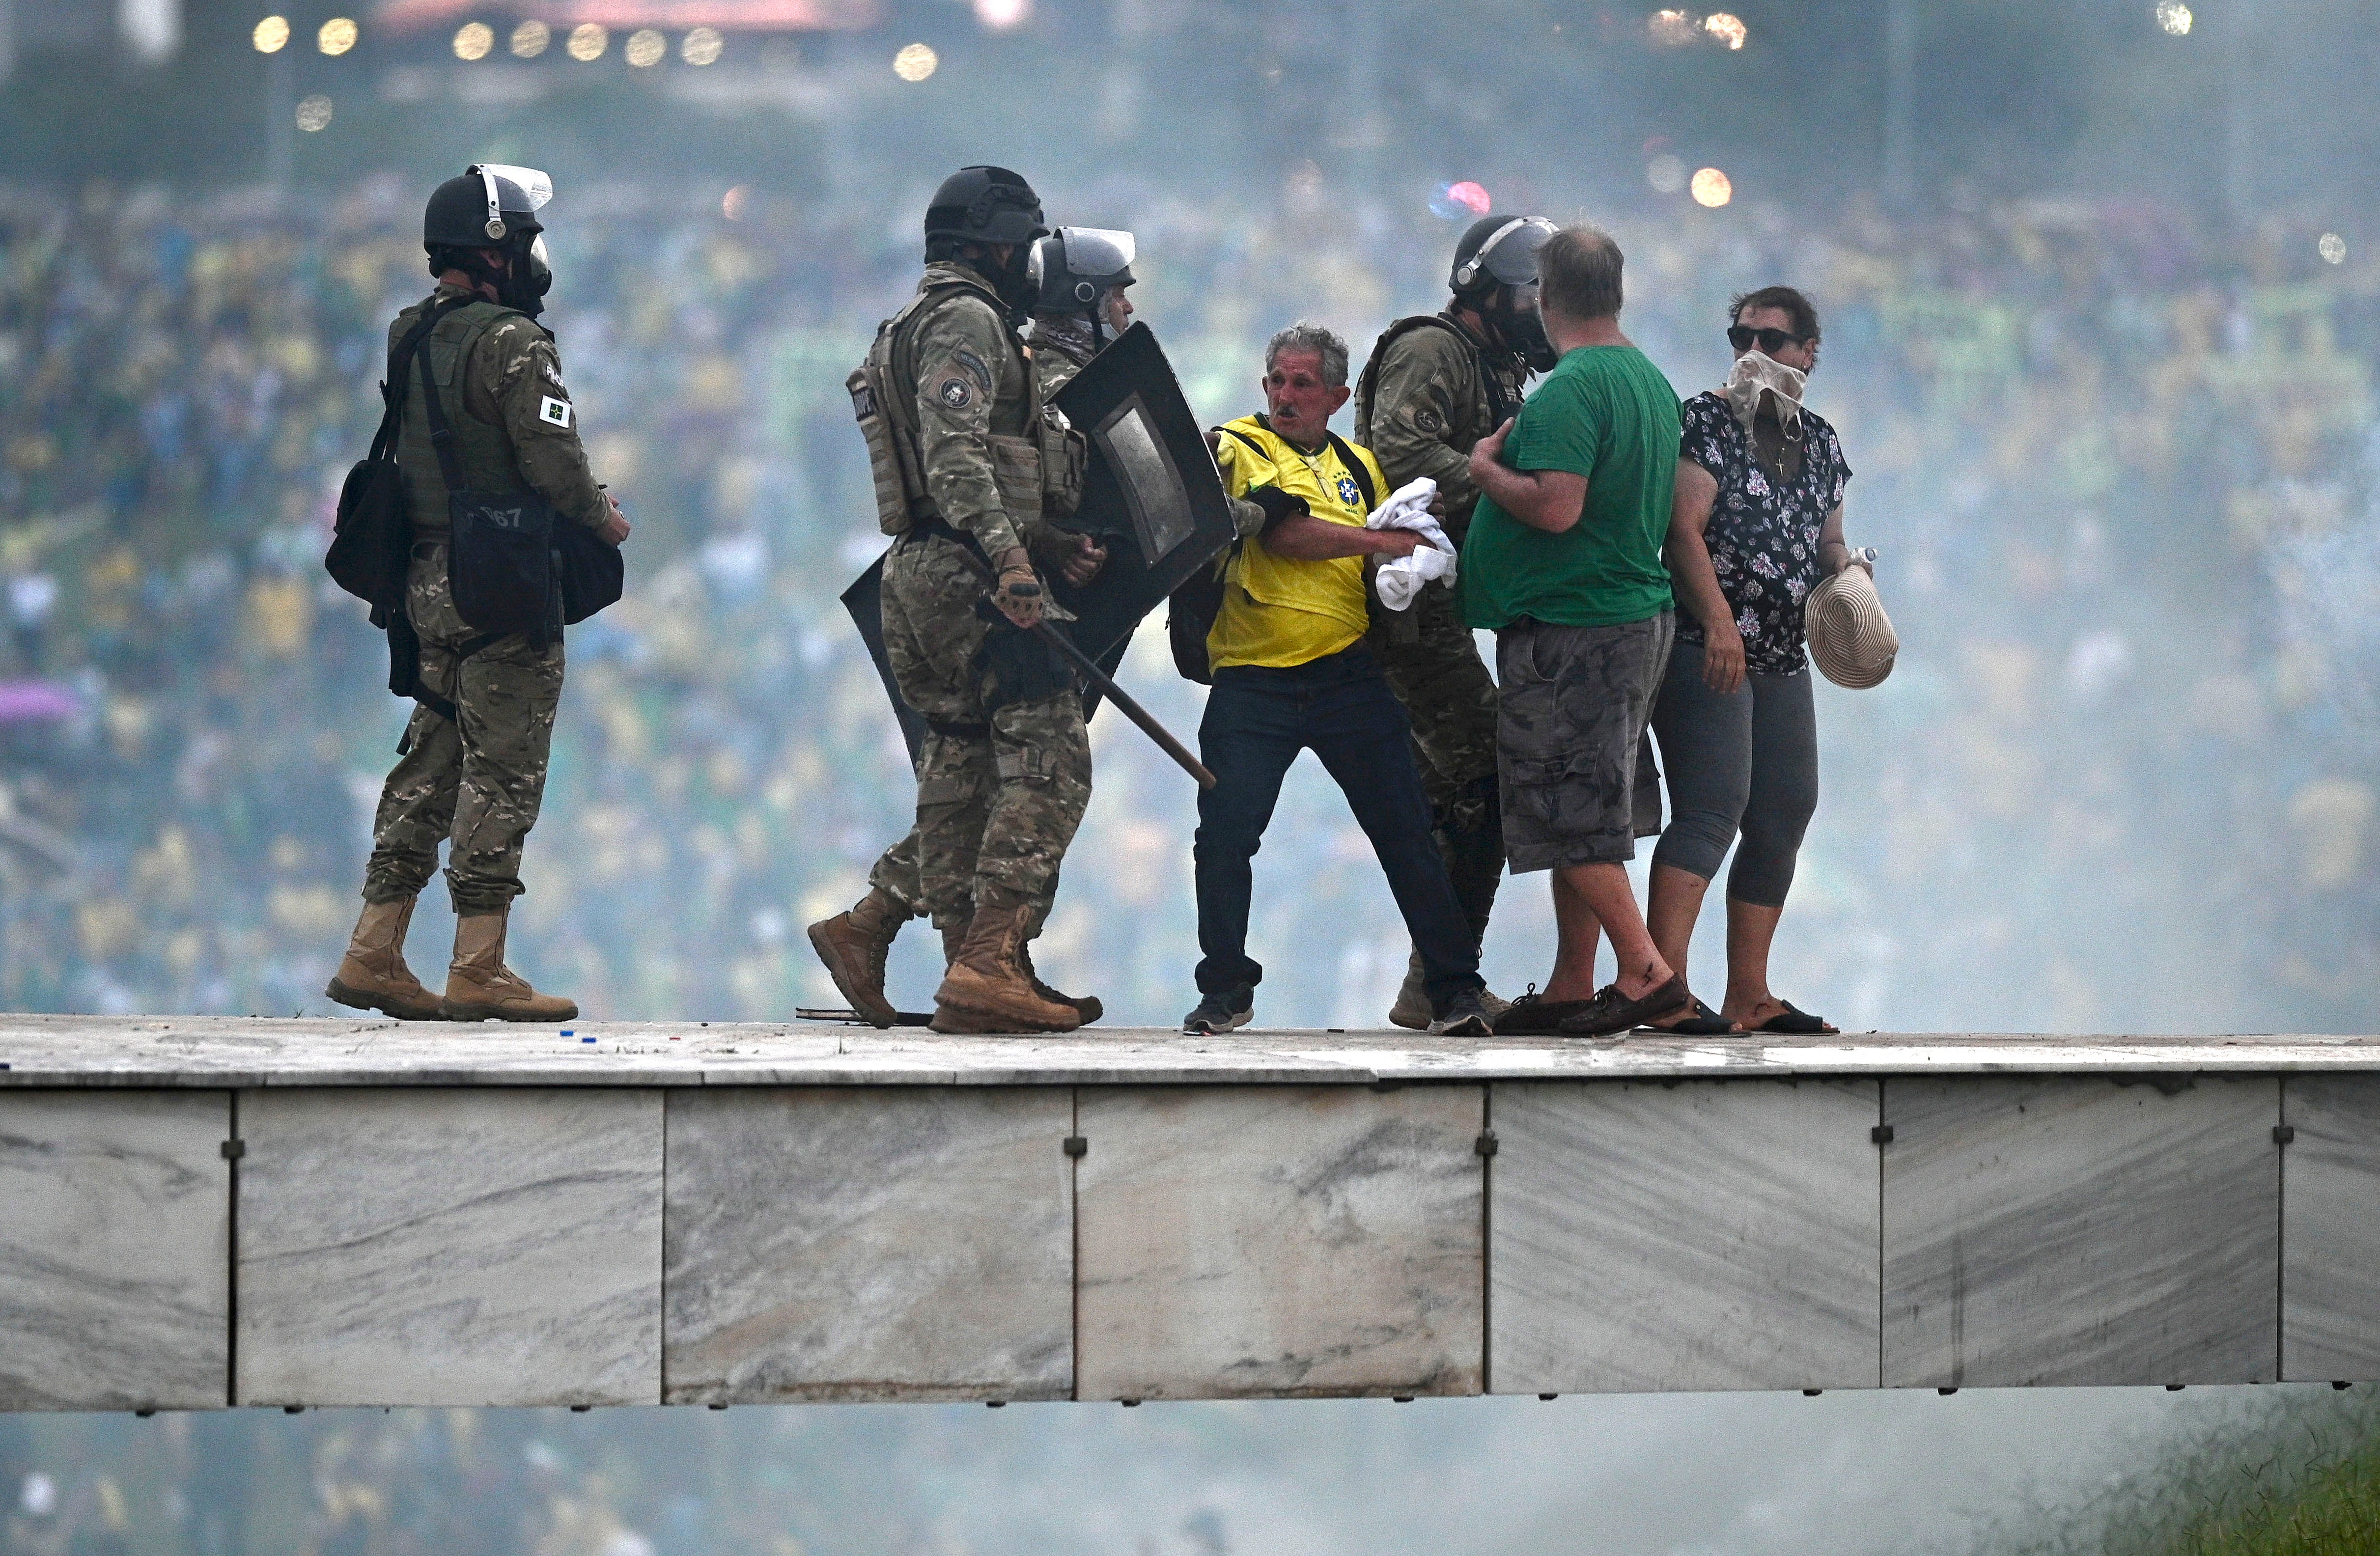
[1435, 384]
[1082, 305]
[473, 764]
[967, 466]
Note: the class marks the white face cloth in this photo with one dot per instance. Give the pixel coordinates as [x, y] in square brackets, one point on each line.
[1408, 508]
[1757, 373]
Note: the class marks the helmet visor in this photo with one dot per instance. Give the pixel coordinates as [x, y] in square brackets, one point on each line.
[1510, 254]
[1097, 253]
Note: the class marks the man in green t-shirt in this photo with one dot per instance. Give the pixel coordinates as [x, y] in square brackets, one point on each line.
[1563, 562]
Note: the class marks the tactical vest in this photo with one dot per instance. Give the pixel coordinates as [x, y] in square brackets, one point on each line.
[484, 448]
[1485, 385]
[1038, 474]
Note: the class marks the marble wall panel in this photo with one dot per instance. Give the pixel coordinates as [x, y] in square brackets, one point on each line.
[115, 1250]
[869, 1243]
[496, 1246]
[1271, 1241]
[2330, 1228]
[2052, 1230]
[1682, 1235]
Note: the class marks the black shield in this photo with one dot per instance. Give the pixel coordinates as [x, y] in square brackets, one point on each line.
[1151, 496]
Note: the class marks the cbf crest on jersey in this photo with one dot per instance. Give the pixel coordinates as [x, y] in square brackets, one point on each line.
[1349, 492]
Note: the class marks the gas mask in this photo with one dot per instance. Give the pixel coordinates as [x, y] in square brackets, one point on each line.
[1513, 312]
[528, 270]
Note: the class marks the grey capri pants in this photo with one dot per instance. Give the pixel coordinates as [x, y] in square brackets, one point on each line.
[1747, 760]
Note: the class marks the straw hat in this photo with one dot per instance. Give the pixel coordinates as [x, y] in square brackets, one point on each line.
[1850, 636]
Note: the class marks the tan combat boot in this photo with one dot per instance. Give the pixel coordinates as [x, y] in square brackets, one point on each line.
[372, 976]
[1087, 1006]
[481, 988]
[1412, 1008]
[854, 945]
[986, 990]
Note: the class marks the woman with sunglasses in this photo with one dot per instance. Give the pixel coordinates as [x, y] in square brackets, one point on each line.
[1756, 522]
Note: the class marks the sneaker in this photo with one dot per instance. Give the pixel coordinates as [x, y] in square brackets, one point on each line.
[1465, 1015]
[1223, 1011]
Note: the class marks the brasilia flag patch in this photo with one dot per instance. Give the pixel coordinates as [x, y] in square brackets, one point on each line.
[554, 412]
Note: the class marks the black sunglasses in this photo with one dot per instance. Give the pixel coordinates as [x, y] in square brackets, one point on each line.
[1741, 336]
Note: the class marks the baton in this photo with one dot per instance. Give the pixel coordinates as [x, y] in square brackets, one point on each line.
[1104, 684]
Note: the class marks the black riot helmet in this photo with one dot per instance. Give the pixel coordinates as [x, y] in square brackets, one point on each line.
[492, 206]
[1078, 266]
[1496, 272]
[985, 206]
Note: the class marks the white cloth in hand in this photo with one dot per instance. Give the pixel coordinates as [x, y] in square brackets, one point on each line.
[1408, 508]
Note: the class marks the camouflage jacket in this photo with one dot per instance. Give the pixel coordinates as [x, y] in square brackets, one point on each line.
[1062, 347]
[499, 384]
[973, 384]
[1426, 395]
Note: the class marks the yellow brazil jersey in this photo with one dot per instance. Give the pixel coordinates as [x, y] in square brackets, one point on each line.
[1277, 611]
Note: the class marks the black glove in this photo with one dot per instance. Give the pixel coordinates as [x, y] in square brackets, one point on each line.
[1277, 504]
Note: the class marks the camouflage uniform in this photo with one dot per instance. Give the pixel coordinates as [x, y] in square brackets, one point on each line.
[1062, 347]
[476, 778]
[1005, 770]
[1426, 395]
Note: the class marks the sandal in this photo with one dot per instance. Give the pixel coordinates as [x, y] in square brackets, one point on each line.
[1701, 1022]
[1796, 1022]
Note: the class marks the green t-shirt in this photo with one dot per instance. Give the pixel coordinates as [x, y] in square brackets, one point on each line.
[1605, 413]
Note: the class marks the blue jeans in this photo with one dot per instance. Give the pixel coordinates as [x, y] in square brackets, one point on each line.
[1257, 720]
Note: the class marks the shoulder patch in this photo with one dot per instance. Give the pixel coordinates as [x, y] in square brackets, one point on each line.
[974, 364]
[545, 370]
[955, 392]
[1429, 421]
[554, 412]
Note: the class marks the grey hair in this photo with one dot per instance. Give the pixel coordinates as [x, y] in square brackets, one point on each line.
[1308, 335]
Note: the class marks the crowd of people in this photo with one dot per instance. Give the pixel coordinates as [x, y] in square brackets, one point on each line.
[2121, 473]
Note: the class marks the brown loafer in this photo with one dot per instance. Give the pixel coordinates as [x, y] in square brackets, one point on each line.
[1611, 1011]
[1531, 1016]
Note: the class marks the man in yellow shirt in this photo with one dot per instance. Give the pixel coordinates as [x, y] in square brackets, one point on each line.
[1291, 673]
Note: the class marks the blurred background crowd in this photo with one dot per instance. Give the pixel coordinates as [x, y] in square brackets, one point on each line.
[2121, 468]
[2101, 296]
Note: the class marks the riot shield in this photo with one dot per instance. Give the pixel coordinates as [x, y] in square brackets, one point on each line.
[865, 600]
[1151, 496]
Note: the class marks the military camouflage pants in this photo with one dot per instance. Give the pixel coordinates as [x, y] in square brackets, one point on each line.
[1434, 667]
[475, 780]
[1001, 785]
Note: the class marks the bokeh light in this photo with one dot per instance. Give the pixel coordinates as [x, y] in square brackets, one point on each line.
[587, 41]
[530, 38]
[473, 40]
[2173, 17]
[2332, 248]
[272, 35]
[1453, 202]
[336, 36]
[1712, 188]
[916, 62]
[1725, 30]
[646, 48]
[314, 113]
[1001, 16]
[1672, 29]
[703, 45]
[1666, 173]
[731, 207]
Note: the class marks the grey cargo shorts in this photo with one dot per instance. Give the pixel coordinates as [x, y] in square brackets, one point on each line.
[1571, 708]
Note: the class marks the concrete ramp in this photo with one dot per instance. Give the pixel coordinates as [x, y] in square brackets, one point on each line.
[202, 1212]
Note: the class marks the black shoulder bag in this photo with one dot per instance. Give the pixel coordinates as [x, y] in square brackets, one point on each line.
[500, 550]
[373, 540]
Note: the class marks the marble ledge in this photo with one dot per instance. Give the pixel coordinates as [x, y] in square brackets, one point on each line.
[231, 1052]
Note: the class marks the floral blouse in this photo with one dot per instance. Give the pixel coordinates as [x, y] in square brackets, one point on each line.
[1763, 534]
